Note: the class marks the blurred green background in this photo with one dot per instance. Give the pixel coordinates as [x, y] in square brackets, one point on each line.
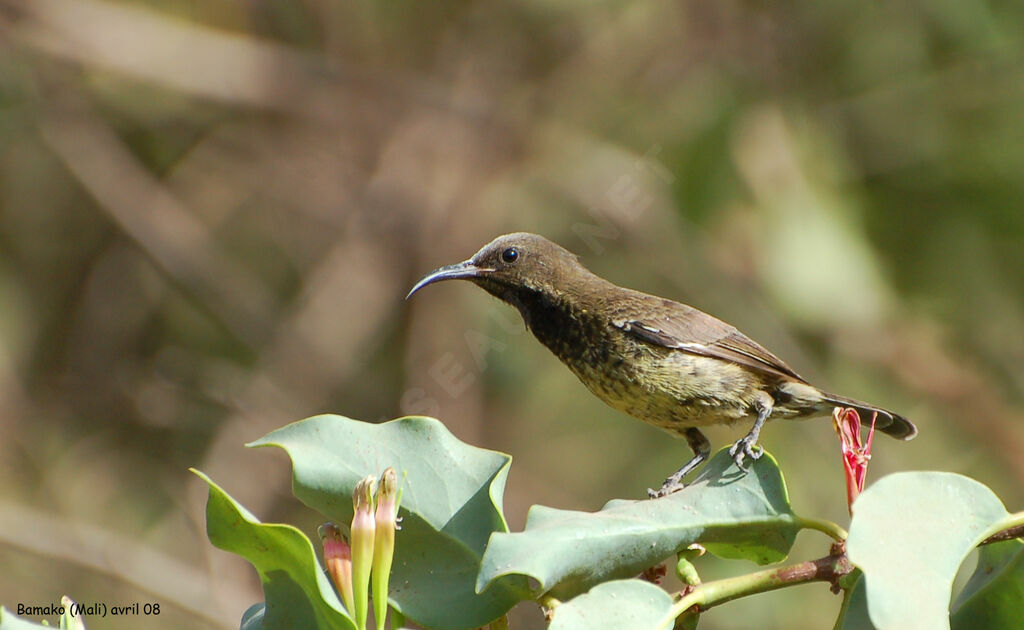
[212, 211]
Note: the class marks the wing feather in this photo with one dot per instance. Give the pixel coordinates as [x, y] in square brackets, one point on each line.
[680, 327]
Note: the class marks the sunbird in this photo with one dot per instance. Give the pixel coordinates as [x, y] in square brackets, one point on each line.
[660, 361]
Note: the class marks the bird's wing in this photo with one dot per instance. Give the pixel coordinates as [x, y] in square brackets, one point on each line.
[680, 327]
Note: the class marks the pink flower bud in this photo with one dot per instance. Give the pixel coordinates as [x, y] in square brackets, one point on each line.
[338, 559]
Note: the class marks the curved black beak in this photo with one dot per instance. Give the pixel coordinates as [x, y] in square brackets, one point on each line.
[458, 271]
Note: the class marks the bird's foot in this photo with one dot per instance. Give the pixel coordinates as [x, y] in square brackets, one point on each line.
[666, 489]
[674, 483]
[744, 448]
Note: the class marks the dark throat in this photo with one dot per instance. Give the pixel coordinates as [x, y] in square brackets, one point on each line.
[574, 334]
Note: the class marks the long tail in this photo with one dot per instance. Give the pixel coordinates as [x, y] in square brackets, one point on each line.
[888, 422]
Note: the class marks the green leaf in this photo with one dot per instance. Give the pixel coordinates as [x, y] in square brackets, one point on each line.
[731, 514]
[298, 594]
[853, 615]
[909, 534]
[8, 621]
[451, 503]
[632, 604]
[992, 598]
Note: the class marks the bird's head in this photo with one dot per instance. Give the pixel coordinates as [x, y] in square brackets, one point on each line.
[512, 264]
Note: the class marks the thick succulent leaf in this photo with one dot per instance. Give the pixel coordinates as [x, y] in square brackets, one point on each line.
[909, 534]
[298, 594]
[432, 582]
[632, 604]
[9, 621]
[451, 503]
[733, 515]
[994, 596]
[455, 487]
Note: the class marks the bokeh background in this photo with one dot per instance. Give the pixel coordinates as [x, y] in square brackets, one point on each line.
[210, 213]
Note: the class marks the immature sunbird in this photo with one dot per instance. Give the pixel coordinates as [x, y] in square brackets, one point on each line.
[660, 361]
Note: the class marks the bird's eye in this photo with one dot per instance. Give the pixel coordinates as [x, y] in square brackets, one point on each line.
[510, 255]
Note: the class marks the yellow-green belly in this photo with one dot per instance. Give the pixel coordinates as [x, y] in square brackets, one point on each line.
[672, 389]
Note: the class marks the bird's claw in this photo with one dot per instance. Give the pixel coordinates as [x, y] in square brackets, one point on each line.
[744, 448]
[666, 489]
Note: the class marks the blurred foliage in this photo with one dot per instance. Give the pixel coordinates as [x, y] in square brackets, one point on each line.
[210, 214]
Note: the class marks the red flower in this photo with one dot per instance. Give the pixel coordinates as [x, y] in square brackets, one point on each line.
[855, 453]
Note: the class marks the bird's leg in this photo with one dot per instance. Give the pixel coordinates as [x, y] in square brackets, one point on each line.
[747, 445]
[701, 450]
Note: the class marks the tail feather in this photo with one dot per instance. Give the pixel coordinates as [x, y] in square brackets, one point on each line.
[887, 421]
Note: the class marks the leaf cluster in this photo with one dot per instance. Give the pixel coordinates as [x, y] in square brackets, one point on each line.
[457, 566]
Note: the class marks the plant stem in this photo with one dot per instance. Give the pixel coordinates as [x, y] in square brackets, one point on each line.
[826, 527]
[827, 569]
[1015, 530]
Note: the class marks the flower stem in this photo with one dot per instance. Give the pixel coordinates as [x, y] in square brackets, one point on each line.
[708, 594]
[826, 527]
